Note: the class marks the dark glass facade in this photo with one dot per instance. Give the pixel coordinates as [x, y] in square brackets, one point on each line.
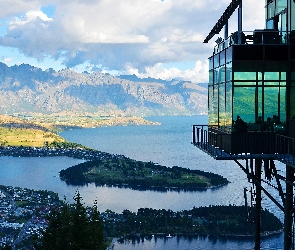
[255, 79]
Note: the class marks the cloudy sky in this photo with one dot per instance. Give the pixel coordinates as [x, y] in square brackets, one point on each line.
[149, 38]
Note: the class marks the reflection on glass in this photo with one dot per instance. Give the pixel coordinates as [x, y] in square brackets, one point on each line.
[236, 83]
[274, 83]
[210, 63]
[281, 5]
[271, 10]
[244, 103]
[222, 105]
[244, 75]
[272, 76]
[228, 106]
[222, 74]
[216, 60]
[271, 106]
[210, 104]
[210, 77]
[228, 72]
[222, 57]
[292, 102]
[282, 113]
[228, 54]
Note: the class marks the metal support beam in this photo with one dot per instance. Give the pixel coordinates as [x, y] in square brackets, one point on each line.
[258, 164]
[251, 177]
[223, 19]
[288, 209]
[240, 19]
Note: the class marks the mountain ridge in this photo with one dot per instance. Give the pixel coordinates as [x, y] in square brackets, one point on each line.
[27, 89]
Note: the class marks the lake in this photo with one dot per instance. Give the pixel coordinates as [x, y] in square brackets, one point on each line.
[168, 144]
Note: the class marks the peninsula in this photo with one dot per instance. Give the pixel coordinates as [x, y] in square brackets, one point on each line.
[30, 137]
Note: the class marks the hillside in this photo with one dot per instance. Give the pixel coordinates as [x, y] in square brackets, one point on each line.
[26, 89]
[20, 132]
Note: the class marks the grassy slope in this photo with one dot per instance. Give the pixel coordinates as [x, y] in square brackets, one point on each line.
[20, 132]
[27, 137]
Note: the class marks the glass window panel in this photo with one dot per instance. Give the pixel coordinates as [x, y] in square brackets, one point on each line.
[210, 77]
[211, 113]
[277, 83]
[213, 106]
[222, 105]
[283, 75]
[228, 106]
[293, 76]
[271, 10]
[281, 5]
[222, 74]
[259, 75]
[216, 76]
[244, 103]
[228, 72]
[216, 60]
[222, 57]
[292, 103]
[211, 63]
[270, 24]
[271, 75]
[244, 75]
[237, 83]
[292, 9]
[282, 114]
[259, 104]
[283, 26]
[229, 55]
[271, 103]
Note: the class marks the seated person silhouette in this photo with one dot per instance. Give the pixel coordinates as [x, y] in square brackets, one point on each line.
[240, 125]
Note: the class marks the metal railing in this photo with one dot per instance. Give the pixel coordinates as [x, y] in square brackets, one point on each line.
[223, 145]
[262, 37]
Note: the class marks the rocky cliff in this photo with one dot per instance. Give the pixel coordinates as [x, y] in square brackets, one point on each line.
[27, 89]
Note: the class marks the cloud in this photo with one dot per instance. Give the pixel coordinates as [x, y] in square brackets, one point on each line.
[119, 35]
[16, 7]
[6, 60]
[197, 74]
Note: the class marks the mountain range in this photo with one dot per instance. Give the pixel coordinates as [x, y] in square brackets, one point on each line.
[27, 89]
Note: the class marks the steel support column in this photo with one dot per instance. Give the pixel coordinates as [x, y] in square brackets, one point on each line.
[288, 208]
[258, 165]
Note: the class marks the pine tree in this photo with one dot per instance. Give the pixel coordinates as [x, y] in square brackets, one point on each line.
[73, 227]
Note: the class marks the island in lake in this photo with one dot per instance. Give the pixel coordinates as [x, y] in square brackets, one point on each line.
[123, 171]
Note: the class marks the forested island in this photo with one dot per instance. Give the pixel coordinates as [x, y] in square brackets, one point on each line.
[126, 172]
[213, 220]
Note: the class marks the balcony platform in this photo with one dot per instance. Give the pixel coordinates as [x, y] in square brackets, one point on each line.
[217, 145]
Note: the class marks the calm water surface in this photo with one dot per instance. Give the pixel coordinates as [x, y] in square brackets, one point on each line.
[168, 144]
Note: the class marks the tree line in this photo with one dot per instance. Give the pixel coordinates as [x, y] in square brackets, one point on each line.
[212, 220]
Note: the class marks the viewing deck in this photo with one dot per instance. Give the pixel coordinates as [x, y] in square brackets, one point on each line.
[249, 145]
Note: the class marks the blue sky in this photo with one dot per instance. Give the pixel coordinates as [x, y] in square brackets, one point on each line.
[149, 38]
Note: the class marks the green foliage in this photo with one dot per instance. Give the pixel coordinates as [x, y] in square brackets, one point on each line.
[65, 145]
[212, 220]
[139, 175]
[73, 227]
